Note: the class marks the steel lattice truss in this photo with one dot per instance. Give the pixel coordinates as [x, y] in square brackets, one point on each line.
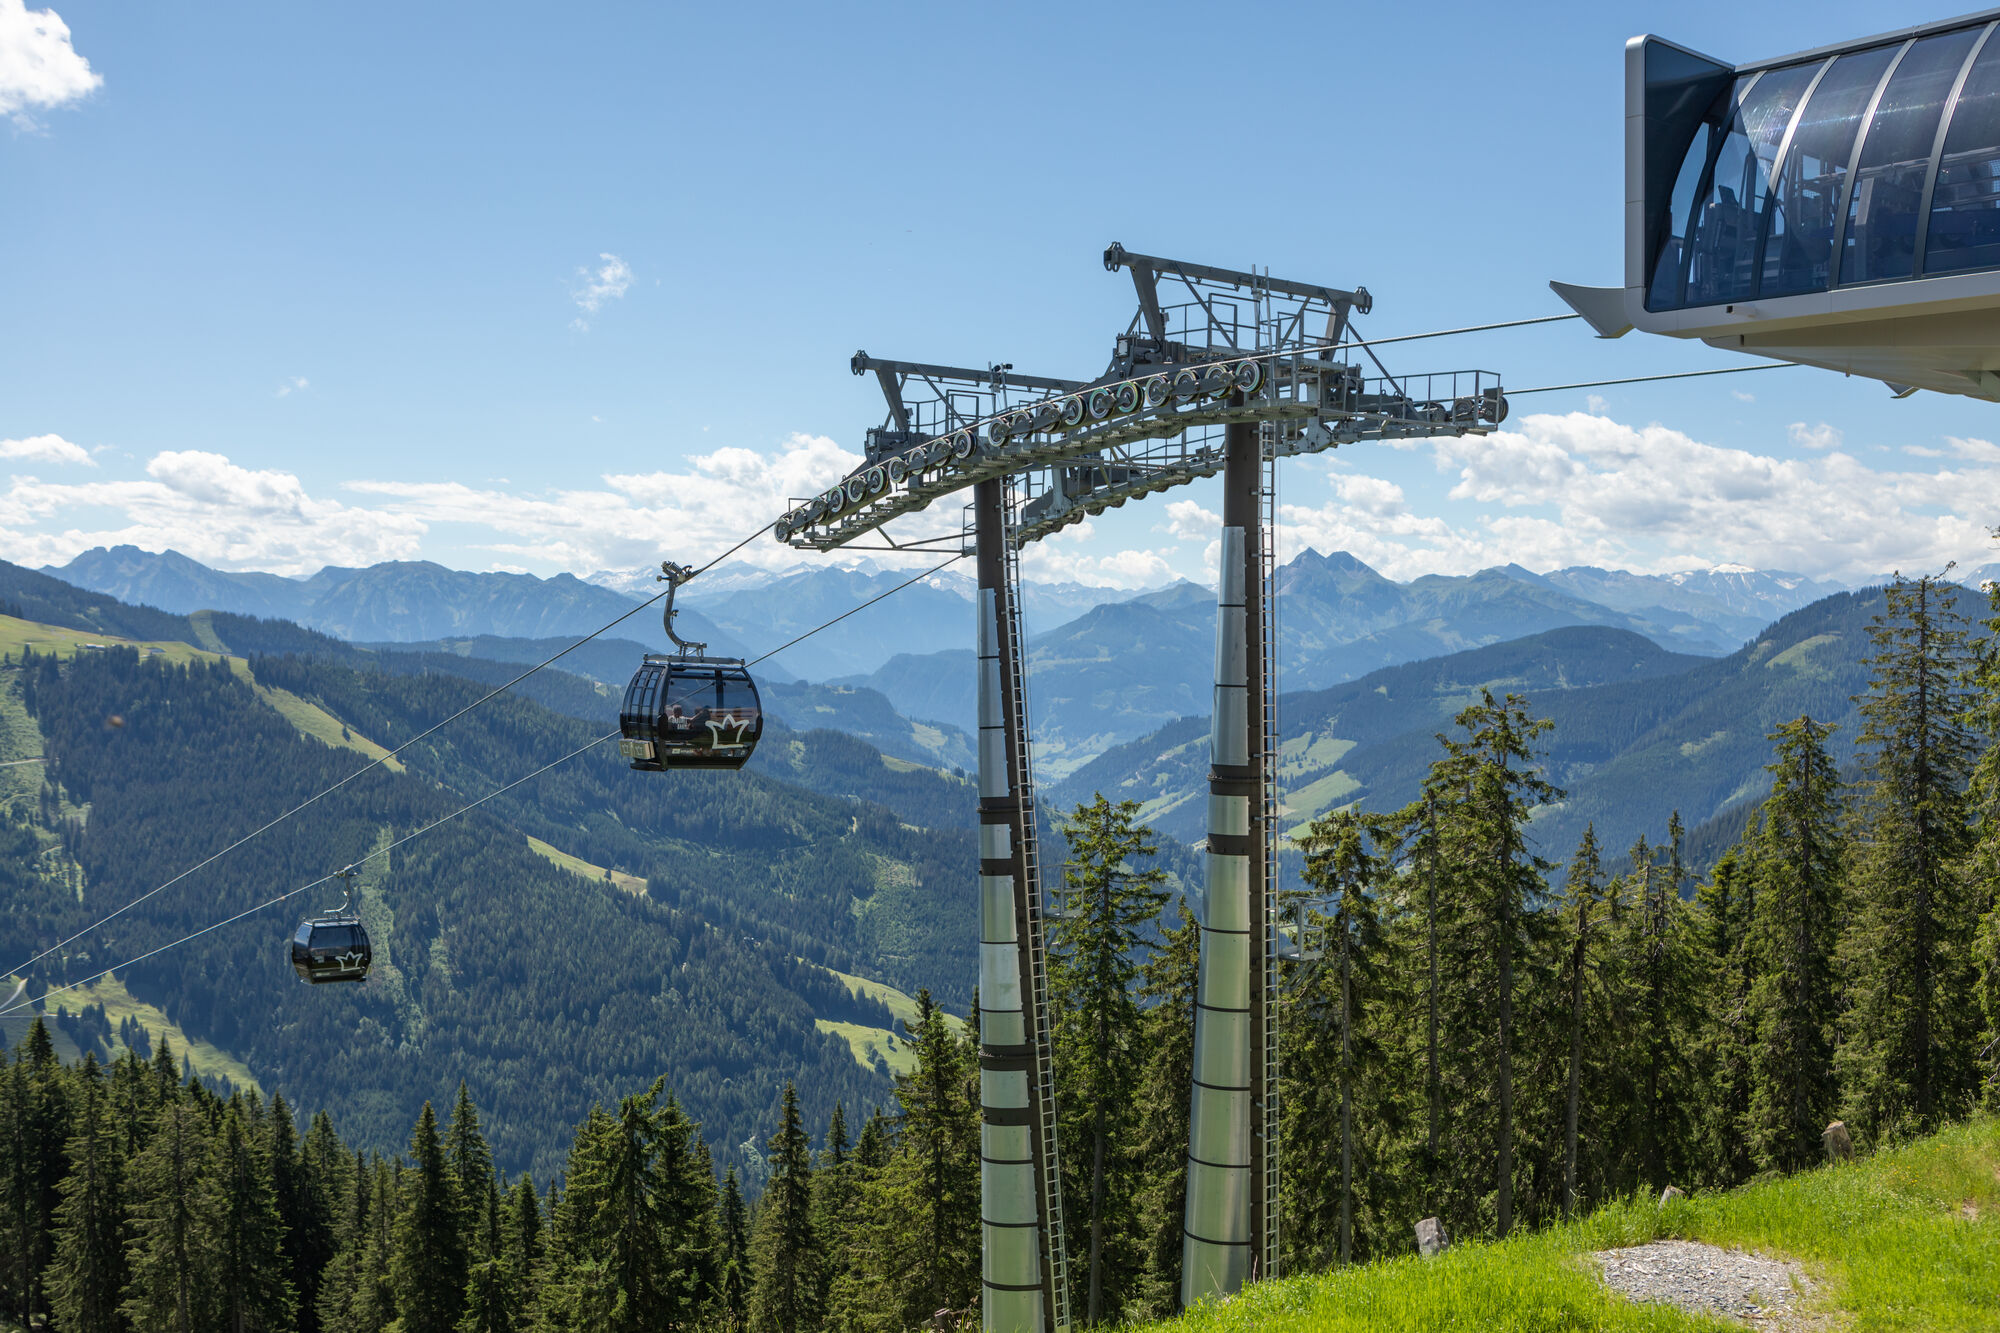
[1243, 346]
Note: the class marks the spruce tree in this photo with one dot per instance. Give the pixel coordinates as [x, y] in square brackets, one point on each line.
[1582, 912]
[784, 1247]
[1727, 906]
[1907, 1053]
[917, 1245]
[253, 1288]
[87, 1275]
[1337, 1053]
[470, 1163]
[1494, 879]
[521, 1237]
[1982, 868]
[176, 1208]
[1792, 1001]
[1668, 982]
[428, 1266]
[734, 1295]
[1167, 983]
[1096, 949]
[836, 1190]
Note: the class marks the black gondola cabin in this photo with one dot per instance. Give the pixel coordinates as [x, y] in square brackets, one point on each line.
[331, 948]
[689, 712]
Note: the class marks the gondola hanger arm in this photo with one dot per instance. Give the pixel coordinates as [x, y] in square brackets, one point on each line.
[674, 576]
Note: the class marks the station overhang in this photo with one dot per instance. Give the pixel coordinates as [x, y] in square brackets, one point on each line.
[1839, 207]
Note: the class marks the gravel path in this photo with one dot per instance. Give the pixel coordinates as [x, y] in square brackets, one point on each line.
[1706, 1279]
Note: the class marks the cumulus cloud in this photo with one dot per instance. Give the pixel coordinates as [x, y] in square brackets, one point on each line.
[1653, 497]
[208, 507]
[1821, 436]
[39, 69]
[44, 449]
[1978, 451]
[607, 282]
[293, 384]
[635, 519]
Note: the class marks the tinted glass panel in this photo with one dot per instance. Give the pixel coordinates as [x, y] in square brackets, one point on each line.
[1723, 251]
[1965, 209]
[338, 938]
[1896, 157]
[1805, 199]
[1684, 93]
[1665, 293]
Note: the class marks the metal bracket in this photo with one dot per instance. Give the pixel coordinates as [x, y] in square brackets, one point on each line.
[674, 576]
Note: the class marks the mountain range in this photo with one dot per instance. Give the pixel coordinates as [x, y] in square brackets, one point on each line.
[1638, 733]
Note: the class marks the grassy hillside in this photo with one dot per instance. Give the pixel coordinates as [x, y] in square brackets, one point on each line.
[1906, 1240]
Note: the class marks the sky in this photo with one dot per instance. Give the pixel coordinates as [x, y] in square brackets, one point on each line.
[574, 288]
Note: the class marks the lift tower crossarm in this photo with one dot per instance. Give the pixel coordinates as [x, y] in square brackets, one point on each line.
[1153, 267]
[891, 375]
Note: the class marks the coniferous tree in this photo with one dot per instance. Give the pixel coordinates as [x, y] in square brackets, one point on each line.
[521, 1236]
[470, 1163]
[1983, 867]
[1792, 1000]
[175, 1216]
[836, 1188]
[733, 1300]
[1494, 879]
[1727, 904]
[1334, 1010]
[428, 1267]
[34, 1169]
[1907, 1052]
[1668, 983]
[917, 1244]
[784, 1246]
[1167, 984]
[314, 1236]
[87, 1273]
[1582, 911]
[253, 1289]
[1096, 950]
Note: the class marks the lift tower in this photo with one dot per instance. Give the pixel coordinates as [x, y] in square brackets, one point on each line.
[1220, 371]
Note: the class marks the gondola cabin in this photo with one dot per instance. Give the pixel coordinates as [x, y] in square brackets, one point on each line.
[689, 712]
[331, 948]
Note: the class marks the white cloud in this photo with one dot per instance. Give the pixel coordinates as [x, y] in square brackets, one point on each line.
[39, 69]
[636, 519]
[1821, 436]
[1053, 561]
[1596, 402]
[1187, 521]
[1742, 397]
[44, 449]
[1977, 451]
[293, 384]
[611, 279]
[207, 507]
[1654, 498]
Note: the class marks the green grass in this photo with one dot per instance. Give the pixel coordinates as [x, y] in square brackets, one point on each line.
[120, 1005]
[577, 865]
[1909, 1239]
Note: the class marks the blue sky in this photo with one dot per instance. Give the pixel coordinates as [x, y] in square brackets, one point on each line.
[574, 287]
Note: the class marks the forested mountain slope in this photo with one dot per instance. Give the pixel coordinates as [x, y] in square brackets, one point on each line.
[1639, 732]
[545, 989]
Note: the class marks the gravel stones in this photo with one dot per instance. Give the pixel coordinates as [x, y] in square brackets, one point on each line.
[1707, 1279]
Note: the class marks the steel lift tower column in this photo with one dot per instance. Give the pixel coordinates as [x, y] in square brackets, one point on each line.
[1021, 1249]
[1223, 1238]
[1220, 371]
